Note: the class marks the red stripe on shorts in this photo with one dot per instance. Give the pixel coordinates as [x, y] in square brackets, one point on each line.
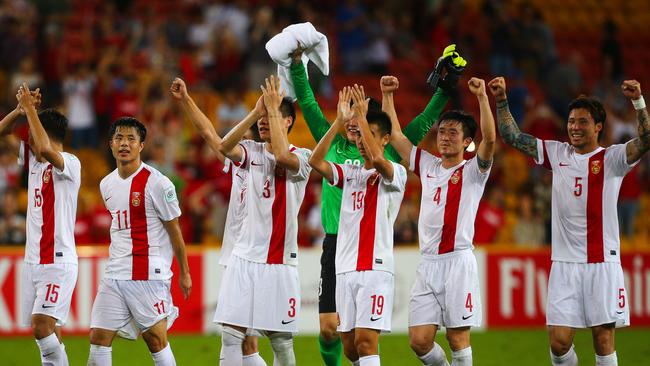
[139, 237]
[454, 190]
[595, 180]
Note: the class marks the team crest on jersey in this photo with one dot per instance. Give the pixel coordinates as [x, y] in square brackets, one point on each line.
[47, 175]
[136, 199]
[595, 166]
[455, 177]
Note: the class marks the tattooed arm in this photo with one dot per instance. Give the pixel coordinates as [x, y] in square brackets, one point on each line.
[638, 146]
[508, 128]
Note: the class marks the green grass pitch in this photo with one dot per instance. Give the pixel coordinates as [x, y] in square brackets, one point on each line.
[494, 347]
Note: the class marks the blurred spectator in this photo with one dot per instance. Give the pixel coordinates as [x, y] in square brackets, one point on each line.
[536, 38]
[543, 190]
[529, 229]
[12, 222]
[628, 203]
[352, 37]
[612, 54]
[231, 111]
[260, 65]
[26, 73]
[313, 222]
[563, 83]
[378, 54]
[406, 225]
[490, 216]
[9, 170]
[78, 90]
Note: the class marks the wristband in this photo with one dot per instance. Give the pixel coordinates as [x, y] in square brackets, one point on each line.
[638, 103]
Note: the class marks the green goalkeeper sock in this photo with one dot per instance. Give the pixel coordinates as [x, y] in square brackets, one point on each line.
[331, 351]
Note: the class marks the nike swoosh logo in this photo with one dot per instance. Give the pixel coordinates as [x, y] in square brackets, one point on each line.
[108, 198]
[467, 317]
[255, 164]
[563, 164]
[348, 179]
[32, 173]
[428, 176]
[47, 306]
[619, 312]
[372, 319]
[287, 322]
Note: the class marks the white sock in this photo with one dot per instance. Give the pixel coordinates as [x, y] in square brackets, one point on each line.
[100, 356]
[52, 354]
[462, 357]
[369, 360]
[282, 344]
[164, 357]
[568, 359]
[435, 357]
[609, 360]
[231, 342]
[253, 360]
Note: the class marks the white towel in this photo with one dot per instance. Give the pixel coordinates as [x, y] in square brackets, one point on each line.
[283, 44]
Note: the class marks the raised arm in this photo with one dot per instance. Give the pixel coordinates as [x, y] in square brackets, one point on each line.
[173, 228]
[639, 145]
[485, 151]
[343, 113]
[279, 141]
[508, 128]
[375, 153]
[230, 143]
[199, 120]
[316, 121]
[399, 141]
[42, 144]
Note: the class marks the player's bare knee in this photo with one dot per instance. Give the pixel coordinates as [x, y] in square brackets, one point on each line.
[43, 326]
[458, 338]
[420, 344]
[603, 338]
[560, 345]
[100, 337]
[249, 346]
[365, 346]
[328, 333]
[349, 349]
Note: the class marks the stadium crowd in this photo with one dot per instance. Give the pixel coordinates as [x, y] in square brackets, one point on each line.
[99, 60]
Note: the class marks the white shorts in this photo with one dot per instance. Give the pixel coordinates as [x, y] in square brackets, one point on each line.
[365, 300]
[259, 296]
[447, 292]
[582, 295]
[131, 307]
[47, 289]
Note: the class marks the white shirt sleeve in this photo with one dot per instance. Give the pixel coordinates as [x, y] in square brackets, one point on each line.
[547, 153]
[165, 201]
[23, 154]
[303, 171]
[473, 173]
[338, 174]
[398, 183]
[418, 159]
[71, 168]
[616, 159]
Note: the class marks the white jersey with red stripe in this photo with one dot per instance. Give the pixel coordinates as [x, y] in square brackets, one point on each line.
[236, 209]
[450, 199]
[140, 246]
[51, 208]
[584, 225]
[270, 230]
[369, 207]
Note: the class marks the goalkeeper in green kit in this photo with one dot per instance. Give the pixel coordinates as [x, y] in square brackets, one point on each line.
[344, 151]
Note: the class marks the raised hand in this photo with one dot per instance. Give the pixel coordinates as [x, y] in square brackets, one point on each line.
[27, 99]
[477, 86]
[272, 94]
[389, 84]
[343, 111]
[296, 55]
[631, 89]
[498, 87]
[360, 106]
[179, 89]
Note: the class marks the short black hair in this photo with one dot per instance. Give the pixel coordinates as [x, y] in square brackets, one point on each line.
[380, 119]
[54, 123]
[374, 104]
[129, 122]
[465, 119]
[593, 106]
[287, 109]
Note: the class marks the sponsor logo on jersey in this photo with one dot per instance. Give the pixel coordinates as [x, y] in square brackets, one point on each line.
[136, 199]
[46, 176]
[596, 166]
[170, 194]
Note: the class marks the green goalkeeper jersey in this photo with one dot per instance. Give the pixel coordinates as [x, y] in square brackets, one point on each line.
[343, 151]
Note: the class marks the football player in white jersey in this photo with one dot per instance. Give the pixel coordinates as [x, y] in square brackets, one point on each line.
[50, 271]
[134, 296]
[446, 291]
[586, 287]
[260, 289]
[237, 206]
[372, 195]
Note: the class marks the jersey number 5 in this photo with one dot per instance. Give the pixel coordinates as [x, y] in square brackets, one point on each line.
[578, 187]
[38, 199]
